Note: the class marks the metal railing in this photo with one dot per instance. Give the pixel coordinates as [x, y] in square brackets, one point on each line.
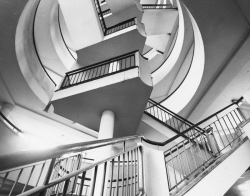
[168, 118]
[120, 26]
[99, 70]
[186, 158]
[122, 172]
[115, 28]
[158, 6]
[31, 171]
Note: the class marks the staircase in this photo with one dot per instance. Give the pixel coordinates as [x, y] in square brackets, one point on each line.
[201, 153]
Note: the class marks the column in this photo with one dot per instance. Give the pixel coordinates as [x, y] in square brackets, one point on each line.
[106, 131]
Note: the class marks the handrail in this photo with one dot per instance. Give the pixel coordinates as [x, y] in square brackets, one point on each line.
[190, 128]
[99, 70]
[158, 6]
[18, 159]
[167, 119]
[34, 41]
[10, 123]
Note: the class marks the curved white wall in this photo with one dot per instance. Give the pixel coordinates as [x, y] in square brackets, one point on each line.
[186, 91]
[43, 38]
[29, 64]
[63, 53]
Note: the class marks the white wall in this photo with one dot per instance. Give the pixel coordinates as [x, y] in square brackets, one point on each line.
[82, 22]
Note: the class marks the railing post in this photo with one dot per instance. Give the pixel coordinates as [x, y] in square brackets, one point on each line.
[141, 170]
[48, 175]
[137, 61]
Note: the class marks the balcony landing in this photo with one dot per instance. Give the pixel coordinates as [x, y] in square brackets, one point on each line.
[126, 97]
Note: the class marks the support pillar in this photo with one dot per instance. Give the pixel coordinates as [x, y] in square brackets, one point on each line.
[106, 131]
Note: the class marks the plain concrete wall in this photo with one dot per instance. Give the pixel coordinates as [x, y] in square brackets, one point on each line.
[84, 25]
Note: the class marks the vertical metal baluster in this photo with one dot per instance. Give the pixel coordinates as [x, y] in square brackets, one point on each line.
[65, 187]
[241, 114]
[186, 156]
[104, 178]
[77, 76]
[127, 185]
[174, 170]
[134, 166]
[138, 169]
[192, 154]
[54, 176]
[173, 122]
[19, 174]
[58, 188]
[161, 115]
[204, 146]
[237, 115]
[198, 145]
[82, 75]
[40, 174]
[219, 134]
[82, 183]
[132, 173]
[228, 128]
[118, 174]
[72, 167]
[168, 176]
[27, 182]
[231, 124]
[103, 72]
[94, 181]
[111, 177]
[235, 121]
[169, 120]
[180, 161]
[86, 190]
[5, 177]
[223, 130]
[123, 161]
[86, 75]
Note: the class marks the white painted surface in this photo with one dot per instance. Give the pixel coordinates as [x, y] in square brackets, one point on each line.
[177, 101]
[158, 42]
[58, 41]
[220, 179]
[155, 172]
[159, 21]
[84, 25]
[43, 36]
